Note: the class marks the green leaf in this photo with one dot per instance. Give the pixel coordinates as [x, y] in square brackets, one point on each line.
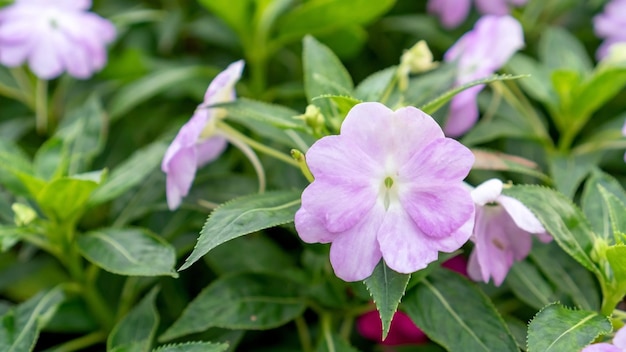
[444, 304]
[435, 104]
[64, 199]
[616, 256]
[346, 42]
[593, 203]
[242, 216]
[387, 288]
[193, 347]
[529, 286]
[137, 329]
[241, 301]
[14, 162]
[568, 171]
[237, 13]
[128, 251]
[427, 86]
[536, 85]
[335, 343]
[567, 275]
[343, 103]
[51, 160]
[20, 327]
[275, 115]
[561, 218]
[319, 16]
[616, 210]
[374, 87]
[559, 49]
[604, 84]
[323, 74]
[137, 92]
[83, 132]
[129, 173]
[556, 328]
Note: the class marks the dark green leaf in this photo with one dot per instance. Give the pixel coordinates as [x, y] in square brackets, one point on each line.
[561, 218]
[237, 13]
[335, 343]
[556, 328]
[20, 327]
[529, 286]
[569, 171]
[242, 216]
[457, 315]
[137, 329]
[193, 347]
[275, 115]
[241, 301]
[13, 163]
[128, 251]
[387, 288]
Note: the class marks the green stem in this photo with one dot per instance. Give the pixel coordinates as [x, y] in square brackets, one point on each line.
[13, 93]
[232, 133]
[81, 343]
[253, 158]
[303, 334]
[22, 80]
[41, 106]
[327, 331]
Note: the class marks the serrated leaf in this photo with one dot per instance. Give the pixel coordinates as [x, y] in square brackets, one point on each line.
[444, 304]
[241, 301]
[323, 74]
[387, 288]
[193, 347]
[276, 115]
[20, 326]
[128, 251]
[129, 173]
[135, 332]
[242, 216]
[593, 204]
[529, 286]
[435, 104]
[557, 328]
[561, 218]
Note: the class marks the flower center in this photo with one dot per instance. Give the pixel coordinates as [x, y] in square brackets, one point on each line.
[389, 191]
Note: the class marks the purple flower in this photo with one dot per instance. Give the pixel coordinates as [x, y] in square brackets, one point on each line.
[502, 233]
[195, 145]
[609, 25]
[478, 54]
[54, 36]
[389, 186]
[452, 13]
[618, 345]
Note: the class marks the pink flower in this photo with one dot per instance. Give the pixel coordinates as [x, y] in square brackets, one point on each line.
[502, 233]
[389, 186]
[453, 12]
[54, 36]
[191, 150]
[478, 54]
[401, 332]
[609, 25]
[618, 345]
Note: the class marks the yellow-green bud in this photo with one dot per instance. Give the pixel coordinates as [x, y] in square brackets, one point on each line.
[24, 214]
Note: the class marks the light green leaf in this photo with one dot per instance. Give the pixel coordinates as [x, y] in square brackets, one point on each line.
[529, 286]
[457, 315]
[319, 16]
[323, 74]
[536, 85]
[616, 256]
[604, 84]
[568, 171]
[136, 330]
[64, 198]
[240, 301]
[129, 173]
[20, 327]
[51, 160]
[343, 103]
[128, 251]
[13, 163]
[561, 218]
[557, 328]
[559, 49]
[593, 204]
[276, 115]
[435, 104]
[193, 347]
[237, 13]
[242, 216]
[376, 85]
[616, 210]
[387, 288]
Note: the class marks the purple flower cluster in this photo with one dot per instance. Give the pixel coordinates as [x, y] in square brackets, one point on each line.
[453, 12]
[54, 36]
[609, 25]
[478, 54]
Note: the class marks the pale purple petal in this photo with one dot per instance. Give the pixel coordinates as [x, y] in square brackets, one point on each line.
[487, 192]
[310, 229]
[492, 7]
[602, 347]
[451, 12]
[438, 210]
[222, 88]
[619, 339]
[521, 215]
[610, 23]
[179, 182]
[443, 160]
[355, 253]
[463, 112]
[210, 149]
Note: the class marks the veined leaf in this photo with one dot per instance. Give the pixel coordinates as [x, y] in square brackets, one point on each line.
[193, 347]
[135, 332]
[275, 115]
[242, 216]
[528, 285]
[593, 204]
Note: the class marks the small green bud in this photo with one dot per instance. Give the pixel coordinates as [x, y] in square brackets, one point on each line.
[418, 58]
[313, 118]
[24, 214]
[301, 159]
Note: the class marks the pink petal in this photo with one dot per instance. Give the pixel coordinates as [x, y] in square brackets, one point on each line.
[443, 160]
[222, 88]
[601, 347]
[310, 229]
[463, 112]
[437, 210]
[521, 215]
[487, 192]
[355, 253]
[492, 7]
[451, 12]
[44, 59]
[402, 330]
[619, 339]
[14, 55]
[210, 149]
[182, 170]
